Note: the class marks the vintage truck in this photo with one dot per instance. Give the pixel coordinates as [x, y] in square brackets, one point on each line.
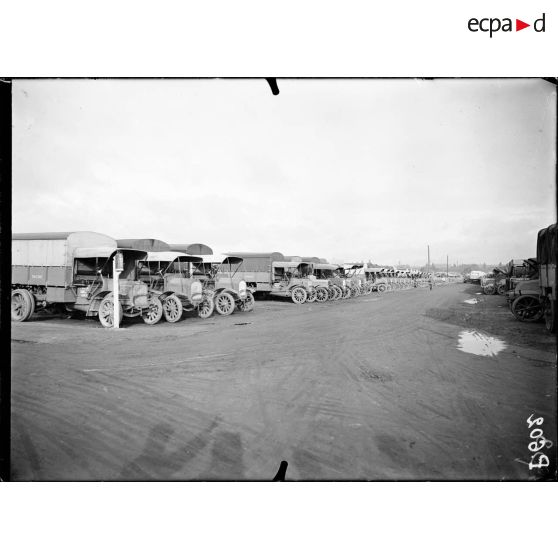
[293, 280]
[494, 282]
[325, 278]
[74, 271]
[520, 270]
[376, 278]
[355, 277]
[256, 269]
[547, 254]
[222, 281]
[170, 277]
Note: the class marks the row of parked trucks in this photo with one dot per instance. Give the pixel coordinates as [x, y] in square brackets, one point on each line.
[529, 284]
[74, 271]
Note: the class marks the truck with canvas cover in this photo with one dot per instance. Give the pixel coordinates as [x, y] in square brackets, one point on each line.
[74, 271]
[194, 249]
[145, 244]
[222, 281]
[547, 254]
[256, 268]
[170, 277]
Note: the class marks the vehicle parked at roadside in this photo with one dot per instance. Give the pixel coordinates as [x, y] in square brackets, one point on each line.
[257, 269]
[376, 278]
[520, 270]
[326, 286]
[292, 280]
[223, 282]
[355, 277]
[169, 276]
[475, 276]
[547, 254]
[494, 282]
[74, 271]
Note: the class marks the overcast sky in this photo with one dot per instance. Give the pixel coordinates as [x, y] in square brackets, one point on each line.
[341, 169]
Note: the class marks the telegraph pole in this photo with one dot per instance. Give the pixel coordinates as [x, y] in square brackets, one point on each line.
[447, 267]
[428, 267]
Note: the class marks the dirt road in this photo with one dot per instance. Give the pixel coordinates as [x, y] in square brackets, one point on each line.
[369, 388]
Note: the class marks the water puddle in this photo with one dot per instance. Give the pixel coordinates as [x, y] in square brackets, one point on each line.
[476, 343]
[472, 301]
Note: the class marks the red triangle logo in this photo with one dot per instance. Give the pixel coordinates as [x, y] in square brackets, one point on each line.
[519, 25]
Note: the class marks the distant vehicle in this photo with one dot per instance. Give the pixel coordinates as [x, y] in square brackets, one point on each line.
[476, 275]
[494, 282]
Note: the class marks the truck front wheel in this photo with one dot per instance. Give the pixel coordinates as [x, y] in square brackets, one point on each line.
[106, 311]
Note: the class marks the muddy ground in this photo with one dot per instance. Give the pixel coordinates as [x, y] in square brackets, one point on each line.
[369, 388]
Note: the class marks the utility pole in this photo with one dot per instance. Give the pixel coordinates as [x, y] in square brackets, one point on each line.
[447, 267]
[117, 269]
[428, 266]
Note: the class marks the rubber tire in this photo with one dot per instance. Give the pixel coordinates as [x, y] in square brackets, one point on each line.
[520, 316]
[312, 297]
[300, 297]
[489, 290]
[224, 303]
[381, 288]
[501, 289]
[29, 305]
[322, 295]
[247, 305]
[154, 312]
[108, 321]
[347, 293]
[206, 308]
[338, 292]
[172, 309]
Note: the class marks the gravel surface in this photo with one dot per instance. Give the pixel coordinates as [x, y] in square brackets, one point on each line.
[367, 388]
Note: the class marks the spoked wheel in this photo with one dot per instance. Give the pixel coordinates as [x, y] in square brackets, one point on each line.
[224, 304]
[489, 289]
[106, 311]
[527, 308]
[347, 293]
[247, 305]
[206, 307]
[23, 305]
[154, 312]
[321, 294]
[312, 296]
[299, 295]
[172, 309]
[550, 316]
[381, 288]
[339, 292]
[501, 289]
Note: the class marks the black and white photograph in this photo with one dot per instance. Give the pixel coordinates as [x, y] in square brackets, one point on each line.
[283, 279]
